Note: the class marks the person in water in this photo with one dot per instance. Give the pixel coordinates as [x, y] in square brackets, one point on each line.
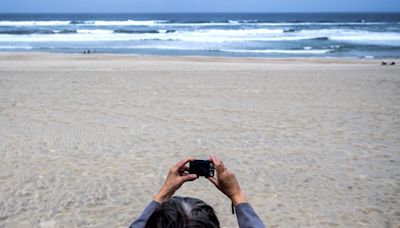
[166, 211]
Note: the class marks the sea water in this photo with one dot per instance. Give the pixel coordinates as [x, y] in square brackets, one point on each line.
[359, 35]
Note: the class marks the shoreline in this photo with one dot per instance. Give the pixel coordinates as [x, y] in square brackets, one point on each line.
[198, 57]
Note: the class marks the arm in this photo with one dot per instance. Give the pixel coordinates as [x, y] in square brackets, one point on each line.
[227, 183]
[177, 175]
[141, 221]
[247, 217]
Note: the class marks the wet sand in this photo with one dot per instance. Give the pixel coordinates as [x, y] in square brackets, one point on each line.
[87, 140]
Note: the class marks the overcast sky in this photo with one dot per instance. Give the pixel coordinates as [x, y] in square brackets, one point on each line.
[199, 6]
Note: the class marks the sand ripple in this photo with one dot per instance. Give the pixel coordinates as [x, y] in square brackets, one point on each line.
[87, 142]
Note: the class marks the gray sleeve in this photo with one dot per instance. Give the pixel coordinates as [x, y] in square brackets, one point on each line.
[247, 217]
[142, 220]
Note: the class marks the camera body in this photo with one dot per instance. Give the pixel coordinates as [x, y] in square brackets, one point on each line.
[202, 168]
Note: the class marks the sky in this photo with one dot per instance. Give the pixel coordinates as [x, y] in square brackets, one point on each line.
[112, 6]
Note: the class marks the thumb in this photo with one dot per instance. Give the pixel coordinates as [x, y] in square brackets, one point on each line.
[190, 177]
[219, 165]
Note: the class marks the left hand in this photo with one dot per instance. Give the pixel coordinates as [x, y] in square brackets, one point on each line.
[177, 175]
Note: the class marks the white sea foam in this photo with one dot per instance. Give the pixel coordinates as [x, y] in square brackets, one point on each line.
[217, 36]
[202, 48]
[240, 35]
[390, 39]
[212, 35]
[87, 23]
[355, 36]
[319, 23]
[81, 36]
[170, 47]
[9, 47]
[271, 51]
[94, 31]
[126, 23]
[238, 32]
[34, 23]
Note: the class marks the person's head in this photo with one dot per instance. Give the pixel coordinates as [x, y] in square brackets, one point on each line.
[183, 212]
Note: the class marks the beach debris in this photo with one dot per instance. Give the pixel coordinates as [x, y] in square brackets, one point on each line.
[385, 63]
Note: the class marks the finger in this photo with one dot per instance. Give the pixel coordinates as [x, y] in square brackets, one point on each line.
[189, 177]
[183, 169]
[185, 174]
[214, 181]
[183, 162]
[219, 166]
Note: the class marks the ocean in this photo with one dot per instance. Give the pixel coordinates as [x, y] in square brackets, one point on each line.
[343, 35]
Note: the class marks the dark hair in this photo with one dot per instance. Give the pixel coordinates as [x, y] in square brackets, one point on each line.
[183, 212]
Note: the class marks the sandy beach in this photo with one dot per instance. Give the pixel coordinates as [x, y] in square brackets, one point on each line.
[87, 140]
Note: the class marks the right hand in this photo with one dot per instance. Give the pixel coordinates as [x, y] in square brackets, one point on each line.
[177, 175]
[226, 182]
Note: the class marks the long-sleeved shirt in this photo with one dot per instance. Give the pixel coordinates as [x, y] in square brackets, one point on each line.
[246, 216]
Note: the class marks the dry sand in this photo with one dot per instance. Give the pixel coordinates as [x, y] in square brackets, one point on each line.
[86, 140]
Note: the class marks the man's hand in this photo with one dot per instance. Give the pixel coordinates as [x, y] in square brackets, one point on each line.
[177, 175]
[226, 182]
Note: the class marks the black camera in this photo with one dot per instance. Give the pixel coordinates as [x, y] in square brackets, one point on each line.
[201, 168]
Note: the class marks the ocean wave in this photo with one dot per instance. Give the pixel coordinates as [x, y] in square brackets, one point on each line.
[16, 47]
[377, 39]
[66, 31]
[35, 31]
[135, 31]
[26, 32]
[95, 31]
[203, 35]
[238, 32]
[34, 23]
[354, 36]
[320, 38]
[169, 47]
[124, 23]
[273, 51]
[269, 51]
[79, 22]
[129, 31]
[181, 23]
[272, 24]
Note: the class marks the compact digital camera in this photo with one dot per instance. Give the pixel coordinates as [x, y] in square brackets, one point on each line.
[201, 168]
